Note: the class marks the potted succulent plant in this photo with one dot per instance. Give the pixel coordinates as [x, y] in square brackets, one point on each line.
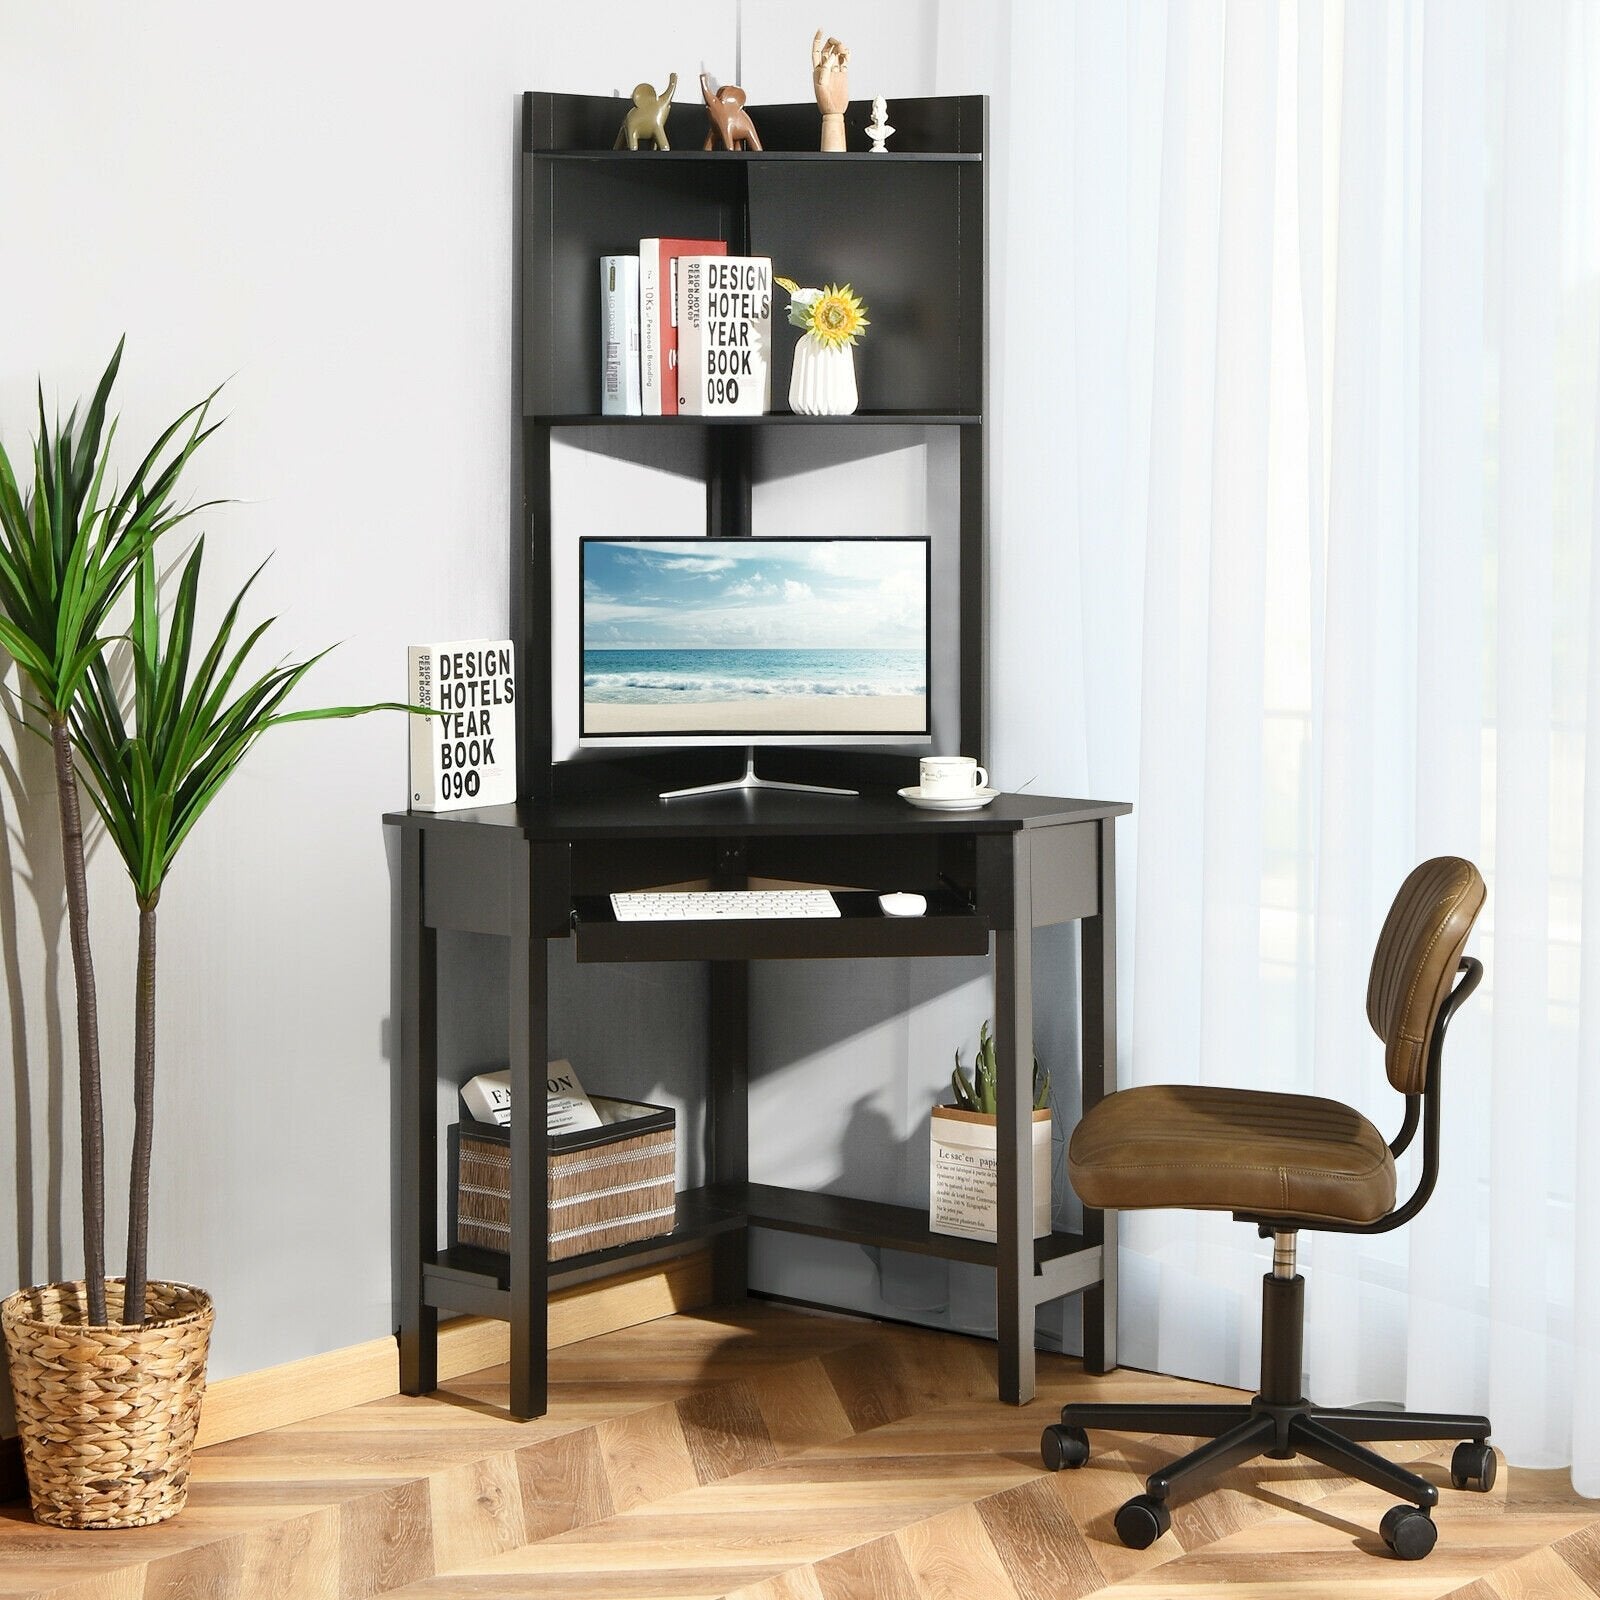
[963, 1166]
[108, 1373]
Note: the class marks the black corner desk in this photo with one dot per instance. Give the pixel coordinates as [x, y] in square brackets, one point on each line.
[536, 872]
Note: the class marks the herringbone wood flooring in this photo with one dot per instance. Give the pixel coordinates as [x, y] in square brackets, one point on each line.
[771, 1454]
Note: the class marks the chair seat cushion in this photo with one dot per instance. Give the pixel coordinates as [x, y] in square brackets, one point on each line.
[1275, 1155]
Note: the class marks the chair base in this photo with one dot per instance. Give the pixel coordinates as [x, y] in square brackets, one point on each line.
[1239, 1433]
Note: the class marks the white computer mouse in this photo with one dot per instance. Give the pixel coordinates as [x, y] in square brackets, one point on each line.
[903, 905]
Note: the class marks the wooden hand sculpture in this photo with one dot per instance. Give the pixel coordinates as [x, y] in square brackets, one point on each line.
[647, 116]
[728, 117]
[830, 79]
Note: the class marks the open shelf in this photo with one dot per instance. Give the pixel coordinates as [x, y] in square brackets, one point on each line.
[760, 157]
[894, 419]
[870, 1222]
[467, 1278]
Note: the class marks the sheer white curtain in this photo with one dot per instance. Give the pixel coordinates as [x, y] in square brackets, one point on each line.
[1297, 353]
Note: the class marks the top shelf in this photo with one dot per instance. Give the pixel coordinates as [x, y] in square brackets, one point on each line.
[758, 157]
[579, 127]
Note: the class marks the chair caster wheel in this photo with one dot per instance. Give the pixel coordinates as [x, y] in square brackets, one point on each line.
[1410, 1533]
[1142, 1521]
[1473, 1466]
[1062, 1446]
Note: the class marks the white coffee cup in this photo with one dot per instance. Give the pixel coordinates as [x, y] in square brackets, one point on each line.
[950, 777]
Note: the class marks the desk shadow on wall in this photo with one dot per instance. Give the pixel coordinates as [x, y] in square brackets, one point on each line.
[30, 861]
[848, 1060]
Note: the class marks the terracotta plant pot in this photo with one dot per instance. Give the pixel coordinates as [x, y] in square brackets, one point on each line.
[107, 1414]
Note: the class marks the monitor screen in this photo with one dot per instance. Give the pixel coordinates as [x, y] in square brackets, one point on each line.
[754, 640]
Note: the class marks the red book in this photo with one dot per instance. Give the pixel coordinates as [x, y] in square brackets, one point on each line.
[658, 318]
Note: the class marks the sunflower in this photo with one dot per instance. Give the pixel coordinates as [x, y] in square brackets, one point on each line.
[837, 317]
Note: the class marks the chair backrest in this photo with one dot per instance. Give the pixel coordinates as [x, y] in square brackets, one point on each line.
[1415, 963]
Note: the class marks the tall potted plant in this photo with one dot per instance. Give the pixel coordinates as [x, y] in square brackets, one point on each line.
[108, 1417]
[67, 553]
[155, 775]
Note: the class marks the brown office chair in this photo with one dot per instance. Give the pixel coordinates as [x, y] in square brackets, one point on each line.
[1286, 1162]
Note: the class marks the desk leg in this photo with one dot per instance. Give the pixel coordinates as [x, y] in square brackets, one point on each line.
[530, 1153]
[1013, 1033]
[1099, 1080]
[728, 1110]
[417, 1214]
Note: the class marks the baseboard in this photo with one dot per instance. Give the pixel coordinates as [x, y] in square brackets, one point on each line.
[299, 1390]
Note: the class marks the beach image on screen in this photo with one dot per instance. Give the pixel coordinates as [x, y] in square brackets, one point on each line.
[754, 636]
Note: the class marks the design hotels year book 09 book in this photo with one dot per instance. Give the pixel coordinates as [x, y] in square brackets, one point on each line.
[724, 335]
[468, 755]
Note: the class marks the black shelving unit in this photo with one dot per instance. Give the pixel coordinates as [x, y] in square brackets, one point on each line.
[907, 229]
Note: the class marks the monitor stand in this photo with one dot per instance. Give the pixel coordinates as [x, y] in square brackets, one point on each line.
[749, 783]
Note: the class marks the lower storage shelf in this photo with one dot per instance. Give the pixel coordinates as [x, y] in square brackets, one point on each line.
[871, 1222]
[469, 1279]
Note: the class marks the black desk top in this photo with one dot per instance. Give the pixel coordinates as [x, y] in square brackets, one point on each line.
[772, 812]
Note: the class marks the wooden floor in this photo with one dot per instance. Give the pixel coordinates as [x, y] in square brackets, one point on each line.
[777, 1455]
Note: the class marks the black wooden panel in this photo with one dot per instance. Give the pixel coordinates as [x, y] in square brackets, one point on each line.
[578, 211]
[591, 121]
[865, 861]
[922, 125]
[618, 865]
[1066, 873]
[469, 879]
[893, 232]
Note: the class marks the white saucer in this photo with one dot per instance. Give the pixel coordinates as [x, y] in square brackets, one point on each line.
[948, 802]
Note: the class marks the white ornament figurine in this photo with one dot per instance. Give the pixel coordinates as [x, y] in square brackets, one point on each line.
[878, 130]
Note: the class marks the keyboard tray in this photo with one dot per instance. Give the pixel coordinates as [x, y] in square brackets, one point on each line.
[949, 927]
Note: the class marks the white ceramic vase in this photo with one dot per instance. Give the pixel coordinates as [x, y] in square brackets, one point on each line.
[823, 381]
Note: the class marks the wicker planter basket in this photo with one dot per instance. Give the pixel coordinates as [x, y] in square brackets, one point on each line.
[107, 1414]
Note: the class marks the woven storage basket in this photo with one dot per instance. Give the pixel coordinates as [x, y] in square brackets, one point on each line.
[107, 1414]
[608, 1186]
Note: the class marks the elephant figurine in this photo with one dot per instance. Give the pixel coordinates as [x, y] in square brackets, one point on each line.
[729, 119]
[647, 116]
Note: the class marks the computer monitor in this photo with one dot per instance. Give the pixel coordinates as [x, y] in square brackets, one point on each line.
[754, 641]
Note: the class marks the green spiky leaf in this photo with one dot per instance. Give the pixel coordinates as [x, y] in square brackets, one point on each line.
[198, 710]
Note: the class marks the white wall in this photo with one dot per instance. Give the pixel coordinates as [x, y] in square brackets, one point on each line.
[316, 203]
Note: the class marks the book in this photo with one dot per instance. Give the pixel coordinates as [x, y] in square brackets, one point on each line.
[724, 335]
[619, 336]
[658, 313]
[567, 1103]
[467, 756]
[487, 1098]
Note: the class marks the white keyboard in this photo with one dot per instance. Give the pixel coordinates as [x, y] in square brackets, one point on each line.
[722, 905]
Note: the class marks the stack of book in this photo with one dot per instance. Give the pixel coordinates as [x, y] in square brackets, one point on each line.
[685, 330]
